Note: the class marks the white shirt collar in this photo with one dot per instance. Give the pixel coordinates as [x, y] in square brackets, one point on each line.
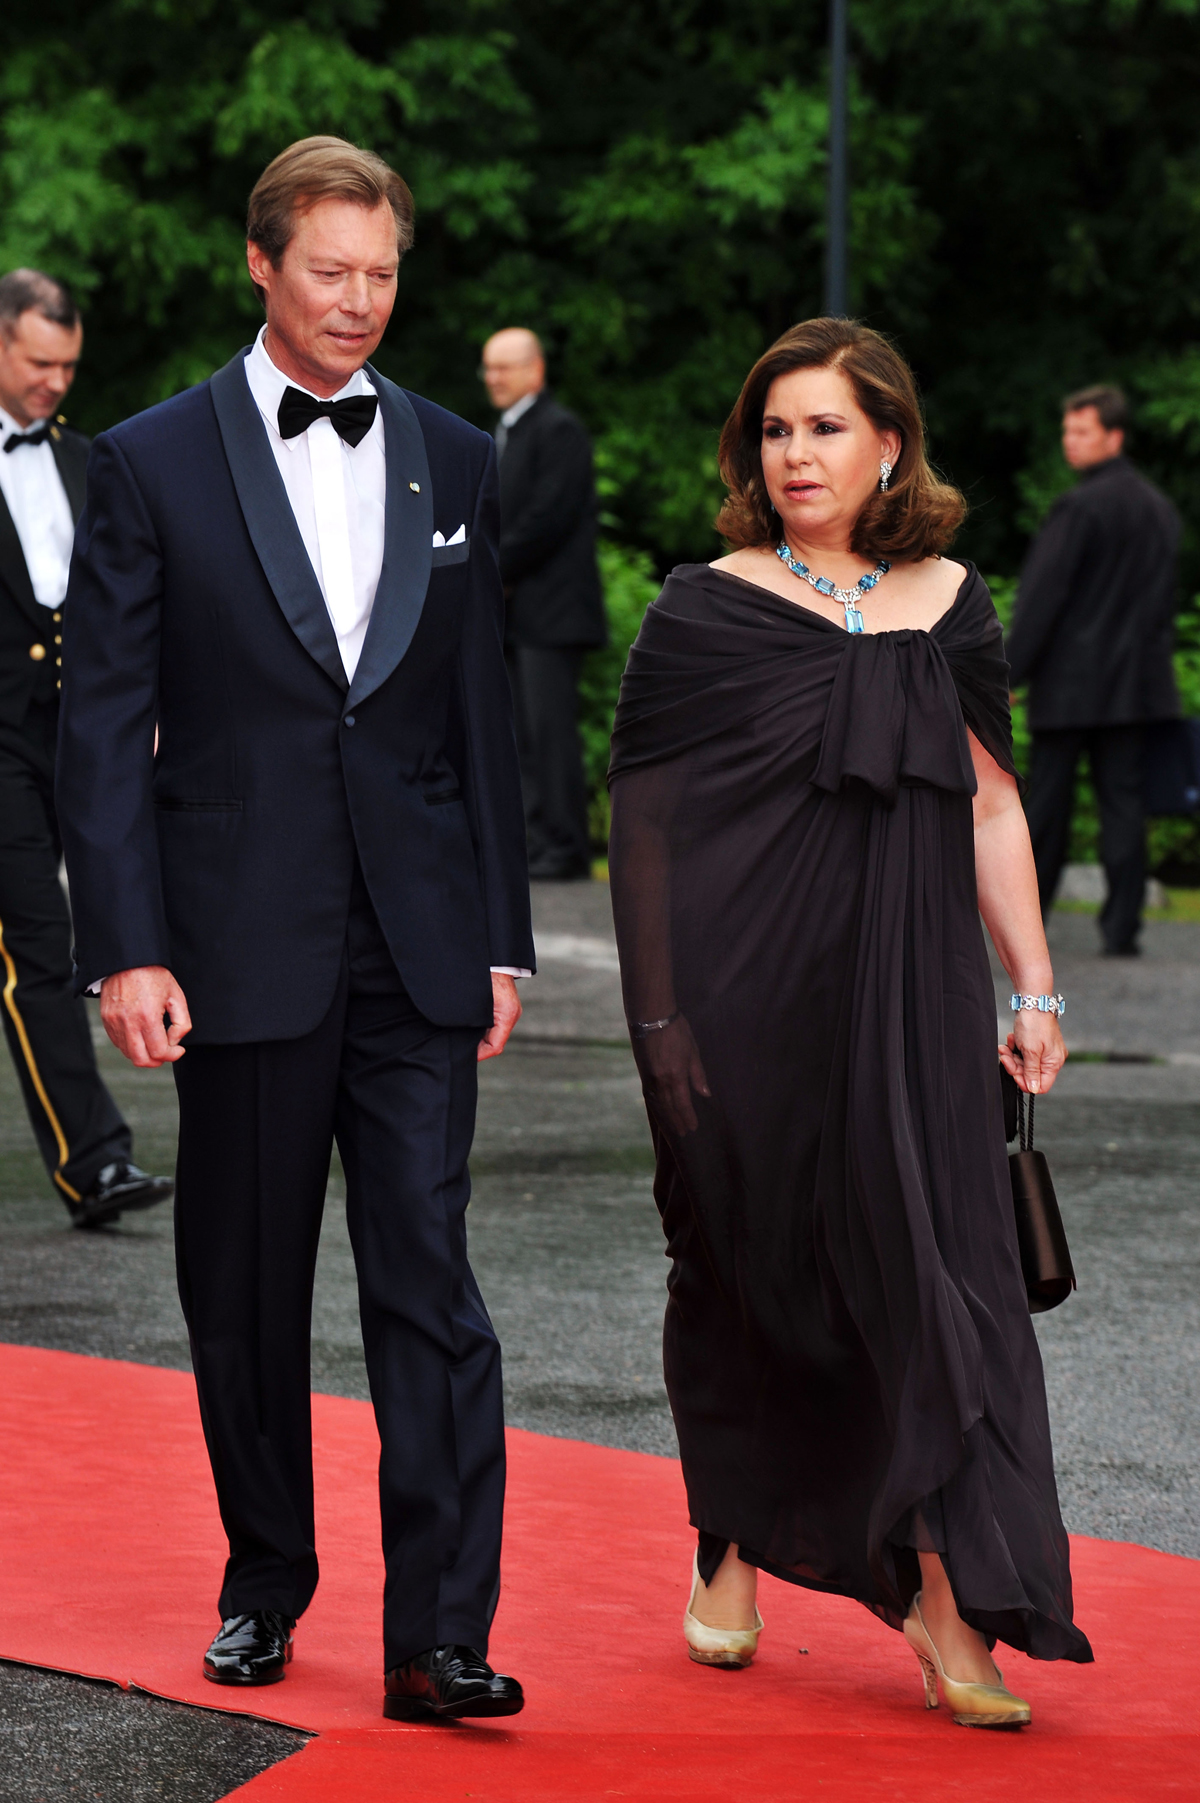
[9, 425]
[517, 411]
[267, 384]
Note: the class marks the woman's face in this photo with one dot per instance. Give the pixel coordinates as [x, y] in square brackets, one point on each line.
[820, 453]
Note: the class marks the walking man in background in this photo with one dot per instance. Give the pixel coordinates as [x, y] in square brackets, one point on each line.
[86, 1145]
[1092, 637]
[555, 605]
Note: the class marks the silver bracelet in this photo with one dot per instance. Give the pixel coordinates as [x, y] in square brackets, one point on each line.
[643, 1028]
[1045, 1004]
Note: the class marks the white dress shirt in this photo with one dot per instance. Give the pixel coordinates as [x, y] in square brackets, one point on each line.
[34, 494]
[337, 492]
[510, 416]
[519, 409]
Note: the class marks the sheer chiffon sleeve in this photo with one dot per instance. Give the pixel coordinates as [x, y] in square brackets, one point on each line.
[644, 804]
[973, 646]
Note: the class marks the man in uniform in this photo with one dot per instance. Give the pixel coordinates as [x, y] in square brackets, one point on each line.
[86, 1144]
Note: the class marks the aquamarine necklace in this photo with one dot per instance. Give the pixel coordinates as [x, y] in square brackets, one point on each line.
[849, 597]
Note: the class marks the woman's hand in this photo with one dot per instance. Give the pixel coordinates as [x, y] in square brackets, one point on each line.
[669, 1062]
[1035, 1052]
[1008, 901]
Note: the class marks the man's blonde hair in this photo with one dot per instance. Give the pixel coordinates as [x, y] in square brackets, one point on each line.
[315, 169]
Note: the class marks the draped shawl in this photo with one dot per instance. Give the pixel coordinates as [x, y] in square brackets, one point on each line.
[848, 1351]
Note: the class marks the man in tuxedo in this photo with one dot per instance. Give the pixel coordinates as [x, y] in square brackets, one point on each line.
[1092, 635]
[318, 883]
[86, 1145]
[555, 604]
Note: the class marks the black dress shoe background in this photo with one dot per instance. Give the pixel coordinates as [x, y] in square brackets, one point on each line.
[119, 1188]
[250, 1649]
[448, 1682]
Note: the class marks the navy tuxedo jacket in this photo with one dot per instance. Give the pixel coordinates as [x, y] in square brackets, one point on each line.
[228, 856]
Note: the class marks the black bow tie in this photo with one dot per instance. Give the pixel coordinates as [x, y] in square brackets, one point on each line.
[351, 419]
[15, 440]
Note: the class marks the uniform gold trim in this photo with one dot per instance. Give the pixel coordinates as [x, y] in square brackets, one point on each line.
[35, 1076]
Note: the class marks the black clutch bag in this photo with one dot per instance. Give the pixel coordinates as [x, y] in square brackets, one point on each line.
[1045, 1256]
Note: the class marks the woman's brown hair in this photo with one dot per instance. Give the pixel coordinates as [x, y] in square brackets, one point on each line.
[919, 514]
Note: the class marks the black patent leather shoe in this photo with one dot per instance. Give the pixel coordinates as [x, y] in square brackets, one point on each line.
[119, 1188]
[448, 1682]
[250, 1649]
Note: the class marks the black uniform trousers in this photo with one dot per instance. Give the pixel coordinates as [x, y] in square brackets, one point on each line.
[545, 686]
[75, 1121]
[256, 1129]
[1115, 759]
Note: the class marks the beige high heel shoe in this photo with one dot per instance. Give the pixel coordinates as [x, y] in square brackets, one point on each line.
[973, 1705]
[732, 1648]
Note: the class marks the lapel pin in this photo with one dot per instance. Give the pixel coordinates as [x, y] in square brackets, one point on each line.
[416, 487]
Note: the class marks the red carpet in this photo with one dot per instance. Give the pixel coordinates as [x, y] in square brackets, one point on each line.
[111, 1553]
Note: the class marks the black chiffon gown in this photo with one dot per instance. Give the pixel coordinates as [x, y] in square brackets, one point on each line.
[848, 1350]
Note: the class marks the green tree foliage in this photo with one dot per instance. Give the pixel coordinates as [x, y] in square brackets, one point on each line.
[630, 585]
[642, 181]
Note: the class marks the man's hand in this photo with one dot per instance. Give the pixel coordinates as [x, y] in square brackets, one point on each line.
[134, 1005]
[506, 1012]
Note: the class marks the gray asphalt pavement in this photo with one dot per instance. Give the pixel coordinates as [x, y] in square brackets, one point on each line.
[69, 1738]
[567, 1247]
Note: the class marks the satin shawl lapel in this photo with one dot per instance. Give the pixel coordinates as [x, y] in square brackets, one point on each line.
[270, 520]
[407, 542]
[70, 460]
[14, 571]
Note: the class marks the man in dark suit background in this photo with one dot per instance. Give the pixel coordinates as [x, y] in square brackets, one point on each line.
[1092, 637]
[552, 584]
[85, 1143]
[319, 880]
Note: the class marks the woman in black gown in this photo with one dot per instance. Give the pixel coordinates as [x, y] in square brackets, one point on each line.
[814, 799]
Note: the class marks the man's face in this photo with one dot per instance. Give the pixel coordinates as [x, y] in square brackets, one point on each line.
[1086, 439]
[512, 368]
[37, 366]
[332, 294]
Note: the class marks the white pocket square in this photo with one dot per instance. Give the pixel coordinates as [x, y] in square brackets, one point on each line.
[459, 538]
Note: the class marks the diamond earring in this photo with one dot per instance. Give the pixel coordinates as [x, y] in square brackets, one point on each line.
[885, 470]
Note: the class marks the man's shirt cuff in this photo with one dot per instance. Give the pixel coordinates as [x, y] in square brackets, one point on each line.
[500, 970]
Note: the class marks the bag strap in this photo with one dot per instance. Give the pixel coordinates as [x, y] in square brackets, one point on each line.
[1026, 1137]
